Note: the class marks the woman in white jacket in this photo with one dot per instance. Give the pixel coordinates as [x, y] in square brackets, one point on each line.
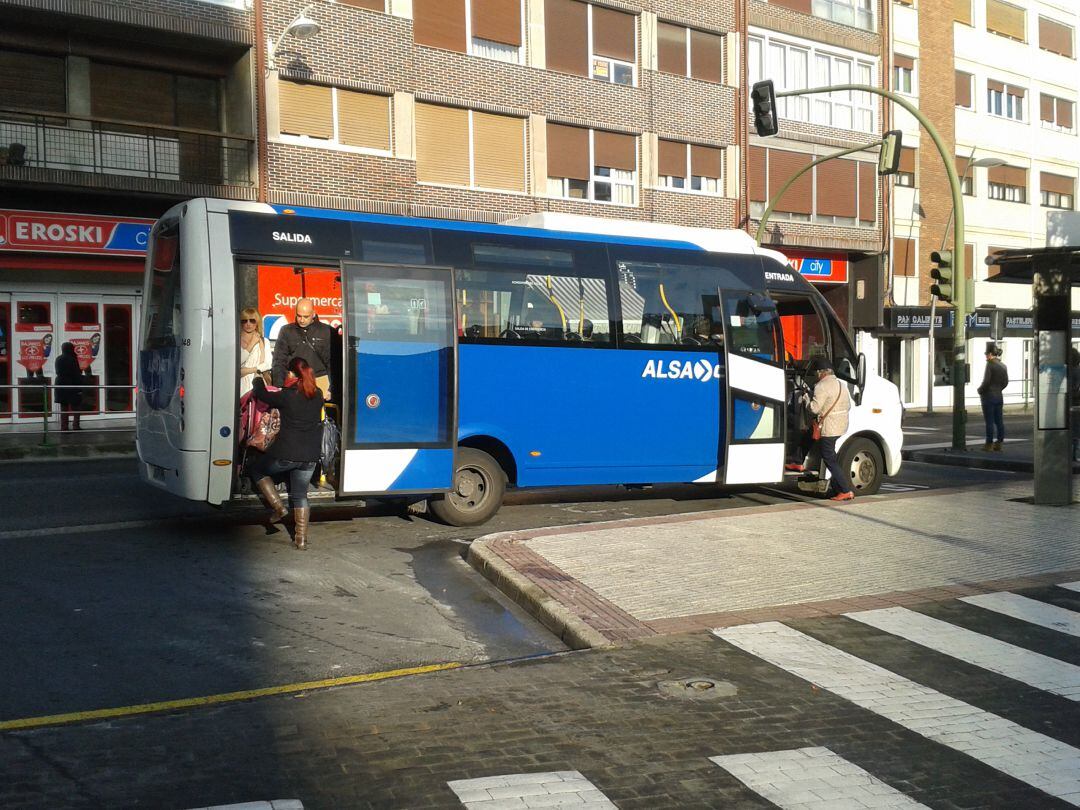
[830, 405]
[255, 353]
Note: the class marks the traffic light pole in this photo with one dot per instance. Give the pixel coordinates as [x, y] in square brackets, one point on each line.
[960, 301]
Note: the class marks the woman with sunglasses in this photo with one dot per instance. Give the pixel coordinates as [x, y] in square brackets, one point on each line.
[255, 354]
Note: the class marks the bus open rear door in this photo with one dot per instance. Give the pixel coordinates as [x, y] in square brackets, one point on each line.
[399, 421]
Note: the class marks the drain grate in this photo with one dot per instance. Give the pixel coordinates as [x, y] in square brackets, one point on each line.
[697, 688]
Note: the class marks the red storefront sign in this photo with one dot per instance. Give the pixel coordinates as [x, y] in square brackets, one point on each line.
[38, 231]
[819, 267]
[281, 287]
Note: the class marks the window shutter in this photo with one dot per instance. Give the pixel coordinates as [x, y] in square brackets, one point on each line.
[1016, 176]
[672, 160]
[962, 11]
[997, 86]
[197, 103]
[705, 161]
[363, 119]
[969, 260]
[907, 159]
[370, 5]
[1019, 92]
[1005, 19]
[128, 93]
[1046, 107]
[29, 81]
[795, 5]
[306, 109]
[440, 24]
[568, 152]
[497, 20]
[1055, 183]
[1064, 113]
[442, 145]
[499, 151]
[755, 173]
[1056, 37]
[671, 48]
[867, 192]
[614, 150]
[567, 40]
[903, 260]
[963, 89]
[706, 56]
[998, 174]
[613, 33]
[836, 185]
[782, 165]
[905, 62]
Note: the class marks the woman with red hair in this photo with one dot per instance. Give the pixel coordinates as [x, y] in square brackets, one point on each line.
[297, 447]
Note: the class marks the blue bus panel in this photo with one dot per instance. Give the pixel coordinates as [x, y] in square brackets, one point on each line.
[401, 394]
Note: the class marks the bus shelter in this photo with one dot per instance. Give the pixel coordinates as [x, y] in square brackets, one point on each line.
[1052, 272]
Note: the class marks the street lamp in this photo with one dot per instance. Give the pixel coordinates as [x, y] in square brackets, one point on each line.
[301, 27]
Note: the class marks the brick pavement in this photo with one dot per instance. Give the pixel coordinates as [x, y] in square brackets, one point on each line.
[630, 579]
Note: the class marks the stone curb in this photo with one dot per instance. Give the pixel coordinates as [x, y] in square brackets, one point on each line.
[978, 462]
[551, 613]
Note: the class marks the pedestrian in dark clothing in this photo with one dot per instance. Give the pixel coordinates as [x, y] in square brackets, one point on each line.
[297, 447]
[308, 338]
[995, 379]
[68, 372]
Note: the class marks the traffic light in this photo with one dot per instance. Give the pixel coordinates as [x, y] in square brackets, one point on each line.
[943, 275]
[889, 156]
[763, 101]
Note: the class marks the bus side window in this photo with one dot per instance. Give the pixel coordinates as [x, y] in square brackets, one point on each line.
[666, 304]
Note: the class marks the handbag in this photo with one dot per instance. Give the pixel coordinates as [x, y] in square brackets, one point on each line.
[266, 430]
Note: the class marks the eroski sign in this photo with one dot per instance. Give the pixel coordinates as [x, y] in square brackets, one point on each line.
[700, 370]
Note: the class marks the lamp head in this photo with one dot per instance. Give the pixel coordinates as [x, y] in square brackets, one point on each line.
[303, 27]
[989, 162]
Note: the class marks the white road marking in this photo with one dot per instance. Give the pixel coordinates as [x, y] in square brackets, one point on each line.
[812, 779]
[1028, 610]
[522, 790]
[276, 804]
[1031, 757]
[903, 487]
[1032, 668]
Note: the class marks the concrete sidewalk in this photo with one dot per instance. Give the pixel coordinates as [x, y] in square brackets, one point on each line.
[612, 582]
[29, 443]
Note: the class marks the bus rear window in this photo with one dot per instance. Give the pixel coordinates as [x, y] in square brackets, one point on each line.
[163, 297]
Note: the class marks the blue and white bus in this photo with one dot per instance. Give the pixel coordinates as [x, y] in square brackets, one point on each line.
[553, 350]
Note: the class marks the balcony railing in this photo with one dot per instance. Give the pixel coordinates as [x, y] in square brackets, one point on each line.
[105, 146]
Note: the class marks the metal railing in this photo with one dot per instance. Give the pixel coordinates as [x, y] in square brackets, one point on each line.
[47, 140]
[42, 403]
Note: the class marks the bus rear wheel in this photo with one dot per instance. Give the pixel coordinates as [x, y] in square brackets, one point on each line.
[864, 464]
[479, 485]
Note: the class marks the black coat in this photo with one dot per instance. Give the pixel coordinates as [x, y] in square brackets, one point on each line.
[995, 379]
[69, 373]
[312, 342]
[300, 437]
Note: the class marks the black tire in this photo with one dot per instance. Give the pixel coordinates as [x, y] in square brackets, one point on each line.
[864, 464]
[479, 485]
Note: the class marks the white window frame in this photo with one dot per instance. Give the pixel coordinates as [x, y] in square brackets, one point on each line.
[1054, 125]
[854, 13]
[971, 90]
[1054, 199]
[611, 63]
[472, 162]
[904, 80]
[687, 178]
[1006, 193]
[1014, 105]
[335, 142]
[560, 186]
[476, 45]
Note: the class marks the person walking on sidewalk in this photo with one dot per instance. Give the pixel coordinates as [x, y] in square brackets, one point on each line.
[995, 379]
[829, 407]
[309, 338]
[297, 447]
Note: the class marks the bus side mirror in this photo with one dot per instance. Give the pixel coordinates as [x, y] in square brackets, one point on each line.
[860, 372]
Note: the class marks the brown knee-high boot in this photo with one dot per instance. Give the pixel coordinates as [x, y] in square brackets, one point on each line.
[300, 526]
[270, 496]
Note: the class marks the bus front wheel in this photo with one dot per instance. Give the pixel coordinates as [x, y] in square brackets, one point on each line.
[479, 484]
[864, 464]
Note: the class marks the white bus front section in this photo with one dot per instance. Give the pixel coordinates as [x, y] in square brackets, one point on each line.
[879, 417]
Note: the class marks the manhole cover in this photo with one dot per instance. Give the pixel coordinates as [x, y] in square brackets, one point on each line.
[697, 688]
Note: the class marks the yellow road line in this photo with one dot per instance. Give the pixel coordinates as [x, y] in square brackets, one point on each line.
[211, 700]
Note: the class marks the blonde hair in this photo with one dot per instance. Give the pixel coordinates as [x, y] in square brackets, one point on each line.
[251, 312]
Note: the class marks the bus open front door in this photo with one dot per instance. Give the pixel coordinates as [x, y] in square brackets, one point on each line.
[399, 420]
[756, 389]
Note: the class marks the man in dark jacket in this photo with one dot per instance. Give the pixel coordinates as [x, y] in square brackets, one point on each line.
[309, 338]
[995, 379]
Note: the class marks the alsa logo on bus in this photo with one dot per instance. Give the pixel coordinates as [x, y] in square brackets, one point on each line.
[700, 370]
[298, 238]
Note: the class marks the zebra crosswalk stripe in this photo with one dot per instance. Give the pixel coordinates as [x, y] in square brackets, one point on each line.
[1033, 758]
[523, 790]
[1032, 668]
[1031, 611]
[812, 779]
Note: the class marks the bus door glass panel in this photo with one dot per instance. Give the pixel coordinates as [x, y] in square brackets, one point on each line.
[400, 380]
[805, 340]
[5, 359]
[33, 351]
[159, 357]
[117, 342]
[82, 329]
[757, 388]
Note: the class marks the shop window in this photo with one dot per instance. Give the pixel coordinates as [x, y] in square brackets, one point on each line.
[1055, 37]
[609, 55]
[689, 52]
[1056, 113]
[469, 148]
[82, 314]
[313, 113]
[690, 167]
[118, 371]
[591, 164]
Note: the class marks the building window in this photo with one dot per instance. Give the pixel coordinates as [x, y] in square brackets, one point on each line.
[588, 164]
[963, 90]
[856, 13]
[459, 147]
[1008, 183]
[1005, 100]
[1056, 113]
[689, 167]
[688, 52]
[1055, 37]
[903, 74]
[314, 113]
[964, 172]
[46, 92]
[370, 5]
[1056, 191]
[905, 175]
[492, 29]
[592, 41]
[837, 192]
[1006, 20]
